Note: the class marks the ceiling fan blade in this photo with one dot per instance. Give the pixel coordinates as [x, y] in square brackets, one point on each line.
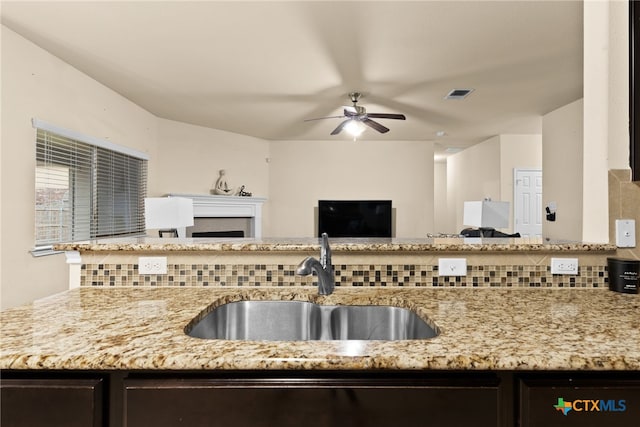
[387, 116]
[375, 125]
[322, 118]
[339, 128]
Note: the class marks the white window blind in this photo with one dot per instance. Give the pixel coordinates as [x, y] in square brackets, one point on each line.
[85, 191]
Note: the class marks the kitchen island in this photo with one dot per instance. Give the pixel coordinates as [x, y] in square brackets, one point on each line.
[480, 329]
[511, 351]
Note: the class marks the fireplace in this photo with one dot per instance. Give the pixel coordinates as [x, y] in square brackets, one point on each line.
[220, 227]
[225, 216]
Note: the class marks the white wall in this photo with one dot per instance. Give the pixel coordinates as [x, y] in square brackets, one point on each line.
[562, 152]
[37, 84]
[302, 172]
[442, 221]
[473, 174]
[192, 156]
[595, 189]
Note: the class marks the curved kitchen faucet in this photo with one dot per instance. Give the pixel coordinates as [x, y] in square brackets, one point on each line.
[323, 268]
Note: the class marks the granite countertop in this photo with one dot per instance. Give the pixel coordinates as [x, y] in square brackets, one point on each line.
[434, 244]
[481, 329]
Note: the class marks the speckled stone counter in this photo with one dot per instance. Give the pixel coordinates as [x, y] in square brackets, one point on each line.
[481, 329]
[339, 245]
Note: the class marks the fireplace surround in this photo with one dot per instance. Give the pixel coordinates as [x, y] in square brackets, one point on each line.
[229, 212]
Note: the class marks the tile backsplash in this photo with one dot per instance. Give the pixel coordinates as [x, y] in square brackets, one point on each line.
[348, 274]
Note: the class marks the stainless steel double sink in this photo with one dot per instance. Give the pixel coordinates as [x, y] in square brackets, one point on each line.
[301, 321]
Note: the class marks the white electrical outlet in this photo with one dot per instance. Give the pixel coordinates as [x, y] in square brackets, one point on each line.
[452, 266]
[564, 265]
[625, 233]
[152, 265]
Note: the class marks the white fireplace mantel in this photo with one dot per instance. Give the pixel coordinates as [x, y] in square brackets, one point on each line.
[206, 206]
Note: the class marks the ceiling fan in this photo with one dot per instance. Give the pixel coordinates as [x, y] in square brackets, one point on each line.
[357, 116]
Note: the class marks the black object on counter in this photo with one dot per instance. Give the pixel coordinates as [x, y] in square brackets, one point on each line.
[624, 275]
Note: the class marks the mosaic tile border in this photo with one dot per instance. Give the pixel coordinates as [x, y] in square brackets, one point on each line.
[389, 275]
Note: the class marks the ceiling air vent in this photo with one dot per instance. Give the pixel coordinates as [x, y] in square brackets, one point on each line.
[458, 94]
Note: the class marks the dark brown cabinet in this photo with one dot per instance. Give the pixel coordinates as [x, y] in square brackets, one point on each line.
[51, 402]
[320, 398]
[326, 402]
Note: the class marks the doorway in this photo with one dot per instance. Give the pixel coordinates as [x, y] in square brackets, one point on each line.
[527, 206]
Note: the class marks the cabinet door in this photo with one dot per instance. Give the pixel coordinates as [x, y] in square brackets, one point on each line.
[51, 402]
[579, 402]
[280, 403]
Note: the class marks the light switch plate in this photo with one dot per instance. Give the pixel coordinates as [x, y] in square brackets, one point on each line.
[452, 266]
[625, 233]
[564, 266]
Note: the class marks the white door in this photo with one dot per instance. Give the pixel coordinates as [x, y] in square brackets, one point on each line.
[527, 206]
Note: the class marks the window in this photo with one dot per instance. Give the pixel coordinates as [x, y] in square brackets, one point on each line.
[86, 190]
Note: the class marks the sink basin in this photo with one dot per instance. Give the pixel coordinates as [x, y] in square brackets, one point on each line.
[261, 320]
[301, 321]
[378, 323]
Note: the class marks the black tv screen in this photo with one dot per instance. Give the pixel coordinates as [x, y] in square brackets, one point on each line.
[354, 218]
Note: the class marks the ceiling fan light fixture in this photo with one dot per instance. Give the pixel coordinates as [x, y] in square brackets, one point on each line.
[357, 119]
[354, 128]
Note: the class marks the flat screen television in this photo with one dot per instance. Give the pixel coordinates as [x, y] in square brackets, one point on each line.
[354, 218]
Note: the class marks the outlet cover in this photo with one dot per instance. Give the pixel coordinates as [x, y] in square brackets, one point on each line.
[452, 266]
[625, 233]
[152, 265]
[564, 266]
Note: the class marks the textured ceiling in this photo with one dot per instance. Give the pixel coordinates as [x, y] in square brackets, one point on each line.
[261, 68]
